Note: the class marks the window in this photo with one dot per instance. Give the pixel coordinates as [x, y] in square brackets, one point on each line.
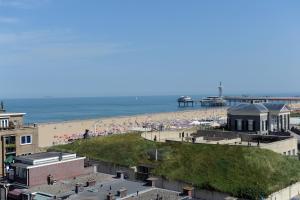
[262, 125]
[250, 125]
[4, 123]
[26, 139]
[10, 140]
[239, 124]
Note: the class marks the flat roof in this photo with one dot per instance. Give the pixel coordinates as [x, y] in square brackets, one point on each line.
[45, 158]
[11, 114]
[145, 192]
[43, 155]
[66, 187]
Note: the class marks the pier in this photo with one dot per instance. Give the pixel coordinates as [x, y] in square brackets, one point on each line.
[185, 101]
[232, 100]
[220, 100]
[260, 99]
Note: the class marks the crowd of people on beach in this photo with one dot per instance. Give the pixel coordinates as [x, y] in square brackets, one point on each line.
[176, 121]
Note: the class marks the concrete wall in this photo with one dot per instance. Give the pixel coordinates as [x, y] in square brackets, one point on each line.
[27, 148]
[17, 120]
[59, 171]
[110, 168]
[201, 194]
[286, 193]
[283, 146]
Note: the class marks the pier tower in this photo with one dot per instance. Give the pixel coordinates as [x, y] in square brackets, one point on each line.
[220, 90]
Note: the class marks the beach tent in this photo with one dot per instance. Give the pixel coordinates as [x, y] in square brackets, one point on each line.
[195, 123]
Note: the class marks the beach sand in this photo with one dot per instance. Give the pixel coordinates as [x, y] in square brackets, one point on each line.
[63, 132]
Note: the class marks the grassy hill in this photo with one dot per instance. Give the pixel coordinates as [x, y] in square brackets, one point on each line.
[245, 172]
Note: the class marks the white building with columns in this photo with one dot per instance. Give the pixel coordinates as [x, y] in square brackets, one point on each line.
[260, 118]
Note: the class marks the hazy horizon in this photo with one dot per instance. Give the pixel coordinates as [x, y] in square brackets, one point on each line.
[157, 95]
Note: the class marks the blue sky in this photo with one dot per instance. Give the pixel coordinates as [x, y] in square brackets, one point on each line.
[65, 48]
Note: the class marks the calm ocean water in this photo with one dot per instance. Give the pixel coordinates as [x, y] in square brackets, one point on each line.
[64, 109]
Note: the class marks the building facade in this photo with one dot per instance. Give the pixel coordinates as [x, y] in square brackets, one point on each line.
[16, 139]
[46, 167]
[259, 118]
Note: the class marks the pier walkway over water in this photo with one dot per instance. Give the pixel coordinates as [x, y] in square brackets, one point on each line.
[261, 99]
[232, 100]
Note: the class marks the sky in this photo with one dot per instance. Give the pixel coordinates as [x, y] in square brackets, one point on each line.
[74, 48]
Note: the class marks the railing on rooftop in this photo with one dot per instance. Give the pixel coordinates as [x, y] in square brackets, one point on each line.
[14, 127]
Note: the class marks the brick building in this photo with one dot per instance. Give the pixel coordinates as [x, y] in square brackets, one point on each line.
[46, 167]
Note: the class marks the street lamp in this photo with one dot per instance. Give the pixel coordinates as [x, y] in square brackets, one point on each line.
[95, 125]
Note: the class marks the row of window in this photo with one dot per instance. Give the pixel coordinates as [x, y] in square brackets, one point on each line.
[290, 153]
[248, 125]
[4, 123]
[24, 139]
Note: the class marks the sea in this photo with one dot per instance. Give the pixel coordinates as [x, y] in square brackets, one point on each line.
[44, 110]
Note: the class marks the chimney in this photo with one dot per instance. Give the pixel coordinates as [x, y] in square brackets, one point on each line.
[188, 191]
[109, 196]
[151, 181]
[122, 192]
[77, 188]
[91, 182]
[120, 175]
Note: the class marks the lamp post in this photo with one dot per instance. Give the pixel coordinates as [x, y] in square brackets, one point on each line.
[95, 125]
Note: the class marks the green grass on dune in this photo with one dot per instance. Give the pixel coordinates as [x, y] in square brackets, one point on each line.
[120, 149]
[246, 172]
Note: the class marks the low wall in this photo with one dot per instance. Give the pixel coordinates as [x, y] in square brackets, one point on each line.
[199, 194]
[286, 193]
[110, 168]
[285, 147]
[90, 170]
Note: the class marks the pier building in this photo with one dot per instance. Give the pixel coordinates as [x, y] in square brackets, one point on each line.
[210, 101]
[185, 101]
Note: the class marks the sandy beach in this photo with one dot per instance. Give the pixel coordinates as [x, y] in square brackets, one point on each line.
[64, 132]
